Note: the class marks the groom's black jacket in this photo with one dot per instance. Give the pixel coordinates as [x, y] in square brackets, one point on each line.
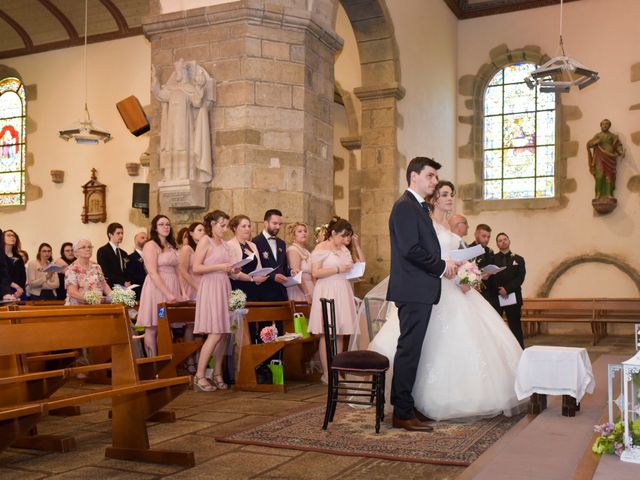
[416, 265]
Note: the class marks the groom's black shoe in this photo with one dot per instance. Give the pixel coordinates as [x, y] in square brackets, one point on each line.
[412, 424]
[422, 417]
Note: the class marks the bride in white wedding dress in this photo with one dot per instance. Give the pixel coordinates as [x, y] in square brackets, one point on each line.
[469, 355]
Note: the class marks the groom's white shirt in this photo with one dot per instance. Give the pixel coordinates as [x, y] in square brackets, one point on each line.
[420, 201]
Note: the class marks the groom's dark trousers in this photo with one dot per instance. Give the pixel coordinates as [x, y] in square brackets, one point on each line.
[414, 320]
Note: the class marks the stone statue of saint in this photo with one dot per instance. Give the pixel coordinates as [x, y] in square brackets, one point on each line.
[604, 149]
[185, 135]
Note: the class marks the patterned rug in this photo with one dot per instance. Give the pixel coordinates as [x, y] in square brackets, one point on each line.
[352, 433]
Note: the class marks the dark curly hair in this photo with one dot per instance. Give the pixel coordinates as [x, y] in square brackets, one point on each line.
[153, 235]
[436, 192]
[338, 225]
[210, 217]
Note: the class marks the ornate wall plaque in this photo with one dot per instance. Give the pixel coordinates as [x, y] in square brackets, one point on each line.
[95, 200]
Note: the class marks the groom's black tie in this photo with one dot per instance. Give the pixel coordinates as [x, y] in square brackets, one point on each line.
[425, 207]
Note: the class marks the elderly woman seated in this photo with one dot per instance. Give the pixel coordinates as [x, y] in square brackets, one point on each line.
[84, 276]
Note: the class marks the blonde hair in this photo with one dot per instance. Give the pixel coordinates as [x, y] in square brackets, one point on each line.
[291, 230]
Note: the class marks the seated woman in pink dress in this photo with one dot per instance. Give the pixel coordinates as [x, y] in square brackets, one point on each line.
[162, 284]
[212, 260]
[83, 275]
[330, 261]
[299, 259]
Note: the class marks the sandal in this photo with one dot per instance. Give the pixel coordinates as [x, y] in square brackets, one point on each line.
[198, 387]
[220, 385]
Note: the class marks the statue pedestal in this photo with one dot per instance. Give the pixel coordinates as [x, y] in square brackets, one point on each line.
[182, 194]
[604, 205]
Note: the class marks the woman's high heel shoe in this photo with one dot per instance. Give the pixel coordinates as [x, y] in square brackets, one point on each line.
[197, 387]
[219, 382]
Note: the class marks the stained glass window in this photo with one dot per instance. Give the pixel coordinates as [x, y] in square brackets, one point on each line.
[13, 128]
[519, 137]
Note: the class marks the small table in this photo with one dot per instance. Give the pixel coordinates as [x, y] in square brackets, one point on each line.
[546, 370]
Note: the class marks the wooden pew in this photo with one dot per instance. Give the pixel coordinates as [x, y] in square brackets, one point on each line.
[171, 313]
[133, 400]
[252, 355]
[616, 310]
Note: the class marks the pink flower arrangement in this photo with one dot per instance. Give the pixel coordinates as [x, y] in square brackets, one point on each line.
[469, 274]
[269, 334]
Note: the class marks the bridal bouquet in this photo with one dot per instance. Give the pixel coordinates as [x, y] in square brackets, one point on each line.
[92, 298]
[122, 295]
[269, 334]
[237, 300]
[469, 274]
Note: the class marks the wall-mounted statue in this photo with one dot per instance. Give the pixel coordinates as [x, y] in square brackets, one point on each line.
[185, 135]
[604, 149]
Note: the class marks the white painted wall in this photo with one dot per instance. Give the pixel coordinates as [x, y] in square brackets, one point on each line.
[606, 39]
[116, 69]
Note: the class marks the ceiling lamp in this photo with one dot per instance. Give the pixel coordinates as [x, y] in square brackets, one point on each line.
[84, 131]
[560, 73]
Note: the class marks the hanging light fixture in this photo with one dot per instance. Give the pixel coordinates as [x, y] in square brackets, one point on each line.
[560, 73]
[84, 131]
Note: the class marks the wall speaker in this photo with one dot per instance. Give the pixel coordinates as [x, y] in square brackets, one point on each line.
[133, 115]
[140, 197]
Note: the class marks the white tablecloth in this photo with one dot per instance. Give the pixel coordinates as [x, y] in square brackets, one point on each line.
[554, 371]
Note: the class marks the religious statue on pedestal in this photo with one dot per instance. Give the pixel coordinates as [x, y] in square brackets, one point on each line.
[185, 134]
[604, 149]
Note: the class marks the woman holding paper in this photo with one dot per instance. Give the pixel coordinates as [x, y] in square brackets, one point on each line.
[330, 263]
[42, 285]
[299, 259]
[212, 260]
[469, 357]
[241, 248]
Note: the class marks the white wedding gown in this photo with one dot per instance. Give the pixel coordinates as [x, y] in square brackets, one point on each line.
[469, 355]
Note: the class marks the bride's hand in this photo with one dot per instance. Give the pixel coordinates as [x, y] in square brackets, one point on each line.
[464, 288]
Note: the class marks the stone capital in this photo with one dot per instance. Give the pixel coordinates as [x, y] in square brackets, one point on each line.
[351, 143]
[375, 92]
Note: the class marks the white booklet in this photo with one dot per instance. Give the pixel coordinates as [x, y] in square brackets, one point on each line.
[53, 268]
[261, 272]
[357, 271]
[464, 254]
[293, 281]
[244, 261]
[492, 269]
[509, 300]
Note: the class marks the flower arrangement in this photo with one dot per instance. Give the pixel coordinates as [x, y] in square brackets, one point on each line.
[269, 334]
[469, 274]
[610, 439]
[92, 297]
[237, 300]
[123, 295]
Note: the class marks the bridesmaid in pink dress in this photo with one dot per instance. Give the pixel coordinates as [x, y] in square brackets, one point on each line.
[162, 283]
[330, 261]
[299, 259]
[212, 260]
[188, 280]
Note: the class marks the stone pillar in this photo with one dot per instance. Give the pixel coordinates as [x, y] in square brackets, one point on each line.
[272, 124]
[379, 176]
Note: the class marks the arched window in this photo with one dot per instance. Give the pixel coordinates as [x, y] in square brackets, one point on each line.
[519, 148]
[13, 129]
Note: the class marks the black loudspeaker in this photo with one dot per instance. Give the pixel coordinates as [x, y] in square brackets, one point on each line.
[133, 115]
[141, 197]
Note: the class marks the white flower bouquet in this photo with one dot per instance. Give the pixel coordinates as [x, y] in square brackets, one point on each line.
[469, 274]
[92, 297]
[122, 295]
[237, 300]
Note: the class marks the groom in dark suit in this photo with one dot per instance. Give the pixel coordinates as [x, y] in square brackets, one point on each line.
[414, 284]
[273, 253]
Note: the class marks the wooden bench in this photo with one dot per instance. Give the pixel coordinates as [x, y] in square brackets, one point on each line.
[598, 312]
[169, 314]
[252, 355]
[26, 397]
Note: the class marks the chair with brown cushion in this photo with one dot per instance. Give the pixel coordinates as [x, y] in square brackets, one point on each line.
[359, 362]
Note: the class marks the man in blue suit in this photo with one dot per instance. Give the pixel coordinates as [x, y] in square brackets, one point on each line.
[414, 284]
[273, 253]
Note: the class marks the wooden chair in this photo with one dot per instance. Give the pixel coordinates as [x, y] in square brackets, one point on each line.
[358, 362]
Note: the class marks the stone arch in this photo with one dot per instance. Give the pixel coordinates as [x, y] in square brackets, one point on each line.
[597, 257]
[380, 161]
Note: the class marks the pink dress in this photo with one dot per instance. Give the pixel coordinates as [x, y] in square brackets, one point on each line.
[296, 293]
[212, 299]
[188, 290]
[151, 296]
[335, 287]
